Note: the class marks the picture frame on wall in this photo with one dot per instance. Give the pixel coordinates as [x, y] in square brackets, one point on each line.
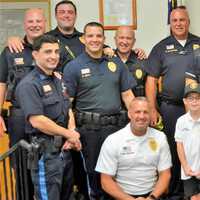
[12, 16]
[113, 14]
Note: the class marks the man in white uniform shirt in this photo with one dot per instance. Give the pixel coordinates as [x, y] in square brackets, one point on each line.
[135, 161]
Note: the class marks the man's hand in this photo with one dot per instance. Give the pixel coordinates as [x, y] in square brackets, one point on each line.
[140, 53]
[109, 52]
[74, 140]
[188, 171]
[2, 126]
[15, 44]
[154, 117]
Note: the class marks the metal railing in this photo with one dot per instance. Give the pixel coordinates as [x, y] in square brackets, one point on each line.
[13, 172]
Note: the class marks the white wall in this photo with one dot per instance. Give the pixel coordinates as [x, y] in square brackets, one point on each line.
[151, 19]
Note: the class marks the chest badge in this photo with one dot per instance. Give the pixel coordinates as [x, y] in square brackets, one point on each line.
[47, 88]
[112, 66]
[153, 144]
[19, 61]
[138, 73]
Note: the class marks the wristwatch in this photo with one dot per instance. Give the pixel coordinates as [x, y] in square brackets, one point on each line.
[152, 197]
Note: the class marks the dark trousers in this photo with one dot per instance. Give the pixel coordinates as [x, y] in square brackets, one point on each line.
[48, 178]
[92, 139]
[170, 113]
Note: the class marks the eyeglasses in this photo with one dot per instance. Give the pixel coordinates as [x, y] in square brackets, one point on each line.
[193, 98]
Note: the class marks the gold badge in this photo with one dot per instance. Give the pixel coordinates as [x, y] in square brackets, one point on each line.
[138, 73]
[196, 46]
[19, 61]
[153, 144]
[193, 86]
[112, 66]
[47, 88]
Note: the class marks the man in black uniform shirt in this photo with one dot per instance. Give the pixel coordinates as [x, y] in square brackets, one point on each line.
[14, 66]
[169, 60]
[124, 41]
[45, 103]
[97, 84]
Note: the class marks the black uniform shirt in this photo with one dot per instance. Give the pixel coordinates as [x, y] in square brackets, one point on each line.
[170, 60]
[40, 94]
[14, 66]
[96, 84]
[137, 69]
[193, 71]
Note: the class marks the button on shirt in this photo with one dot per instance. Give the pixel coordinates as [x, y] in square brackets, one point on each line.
[40, 94]
[134, 161]
[170, 60]
[188, 133]
[96, 84]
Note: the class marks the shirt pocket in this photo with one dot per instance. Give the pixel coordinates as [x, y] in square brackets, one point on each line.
[52, 107]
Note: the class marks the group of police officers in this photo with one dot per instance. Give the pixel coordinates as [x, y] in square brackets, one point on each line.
[47, 75]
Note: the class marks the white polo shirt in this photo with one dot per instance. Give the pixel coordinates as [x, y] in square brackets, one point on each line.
[134, 161]
[188, 132]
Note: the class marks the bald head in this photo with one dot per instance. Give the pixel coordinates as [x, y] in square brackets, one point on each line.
[179, 23]
[124, 39]
[139, 114]
[34, 23]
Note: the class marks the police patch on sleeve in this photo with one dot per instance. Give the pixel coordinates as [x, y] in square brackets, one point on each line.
[153, 144]
[138, 73]
[112, 66]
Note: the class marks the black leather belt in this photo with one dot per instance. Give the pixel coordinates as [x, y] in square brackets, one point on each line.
[99, 119]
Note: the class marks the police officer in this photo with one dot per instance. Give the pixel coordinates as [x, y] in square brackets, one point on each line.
[45, 103]
[169, 60]
[124, 41]
[97, 84]
[14, 66]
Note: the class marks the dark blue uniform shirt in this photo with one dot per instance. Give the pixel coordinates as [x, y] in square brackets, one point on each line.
[169, 59]
[137, 69]
[14, 66]
[96, 84]
[40, 94]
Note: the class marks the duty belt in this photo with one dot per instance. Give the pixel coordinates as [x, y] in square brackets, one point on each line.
[100, 119]
[176, 102]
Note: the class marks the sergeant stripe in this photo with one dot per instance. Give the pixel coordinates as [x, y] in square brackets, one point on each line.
[42, 181]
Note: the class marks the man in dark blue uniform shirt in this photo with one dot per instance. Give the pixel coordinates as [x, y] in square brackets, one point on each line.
[97, 84]
[124, 41]
[45, 103]
[13, 67]
[169, 60]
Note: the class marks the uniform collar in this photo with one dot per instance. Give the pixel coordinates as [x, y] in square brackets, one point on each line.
[74, 34]
[132, 57]
[190, 38]
[43, 75]
[98, 60]
[26, 43]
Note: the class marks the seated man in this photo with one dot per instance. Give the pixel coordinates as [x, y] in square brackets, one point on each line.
[135, 161]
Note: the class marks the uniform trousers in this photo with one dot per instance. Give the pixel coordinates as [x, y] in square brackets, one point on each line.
[170, 113]
[92, 139]
[48, 178]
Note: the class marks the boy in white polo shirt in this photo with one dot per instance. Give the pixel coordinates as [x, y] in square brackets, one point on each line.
[187, 136]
